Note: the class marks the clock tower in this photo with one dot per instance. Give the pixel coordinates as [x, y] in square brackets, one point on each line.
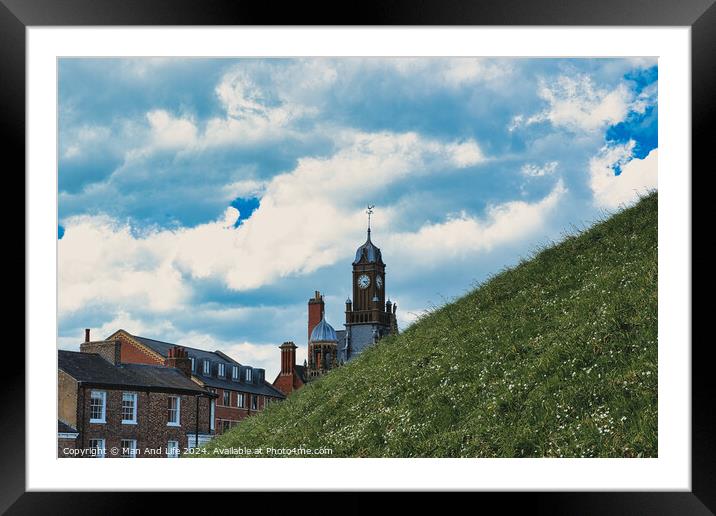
[368, 316]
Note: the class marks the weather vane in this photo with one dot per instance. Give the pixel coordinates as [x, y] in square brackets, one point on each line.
[369, 211]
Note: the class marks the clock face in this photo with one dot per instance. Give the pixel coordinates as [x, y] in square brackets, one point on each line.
[379, 281]
[363, 281]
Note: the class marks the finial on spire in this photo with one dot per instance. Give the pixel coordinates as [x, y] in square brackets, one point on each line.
[369, 211]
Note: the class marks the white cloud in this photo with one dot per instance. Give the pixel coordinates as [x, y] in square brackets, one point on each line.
[577, 104]
[465, 235]
[532, 170]
[244, 188]
[78, 141]
[307, 219]
[456, 72]
[101, 261]
[637, 176]
[169, 132]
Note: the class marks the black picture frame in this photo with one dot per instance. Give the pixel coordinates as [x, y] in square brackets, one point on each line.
[17, 15]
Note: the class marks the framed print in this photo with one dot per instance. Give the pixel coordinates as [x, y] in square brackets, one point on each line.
[440, 249]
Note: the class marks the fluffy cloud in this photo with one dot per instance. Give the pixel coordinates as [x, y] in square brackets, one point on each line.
[637, 176]
[307, 219]
[577, 104]
[465, 235]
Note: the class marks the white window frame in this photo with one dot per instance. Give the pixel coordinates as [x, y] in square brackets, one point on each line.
[222, 370]
[193, 364]
[132, 448]
[240, 400]
[135, 400]
[178, 412]
[235, 373]
[103, 397]
[254, 397]
[174, 447]
[100, 454]
[223, 398]
[248, 375]
[207, 368]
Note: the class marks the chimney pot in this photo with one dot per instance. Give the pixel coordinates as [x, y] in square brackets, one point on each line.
[87, 334]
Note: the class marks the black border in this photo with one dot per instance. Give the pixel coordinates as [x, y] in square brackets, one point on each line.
[16, 15]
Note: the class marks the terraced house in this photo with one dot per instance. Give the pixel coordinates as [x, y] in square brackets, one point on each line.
[110, 409]
[240, 389]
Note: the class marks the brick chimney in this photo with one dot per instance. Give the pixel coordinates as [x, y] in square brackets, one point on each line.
[87, 334]
[288, 358]
[110, 350]
[179, 358]
[315, 311]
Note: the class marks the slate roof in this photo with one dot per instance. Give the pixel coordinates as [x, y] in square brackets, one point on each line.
[301, 373]
[215, 358]
[163, 349]
[369, 252]
[91, 369]
[64, 428]
[323, 332]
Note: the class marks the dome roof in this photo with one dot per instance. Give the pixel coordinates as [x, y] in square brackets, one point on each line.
[323, 332]
[369, 251]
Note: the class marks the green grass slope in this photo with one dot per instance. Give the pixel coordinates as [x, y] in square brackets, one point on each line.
[555, 357]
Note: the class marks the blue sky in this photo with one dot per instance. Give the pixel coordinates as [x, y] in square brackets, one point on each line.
[202, 201]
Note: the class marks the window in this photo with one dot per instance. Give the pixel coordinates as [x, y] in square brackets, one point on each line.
[129, 408]
[207, 368]
[97, 448]
[240, 400]
[129, 448]
[222, 369]
[235, 373]
[173, 449]
[248, 375]
[98, 406]
[193, 363]
[254, 402]
[227, 398]
[225, 425]
[173, 410]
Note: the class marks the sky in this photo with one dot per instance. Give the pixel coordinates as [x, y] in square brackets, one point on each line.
[203, 201]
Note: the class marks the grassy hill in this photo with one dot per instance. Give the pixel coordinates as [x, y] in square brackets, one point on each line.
[555, 357]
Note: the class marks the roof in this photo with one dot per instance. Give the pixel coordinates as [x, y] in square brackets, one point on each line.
[263, 387]
[64, 428]
[368, 252]
[163, 349]
[301, 373]
[92, 369]
[215, 358]
[323, 332]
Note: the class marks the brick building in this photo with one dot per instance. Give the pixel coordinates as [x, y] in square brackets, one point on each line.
[241, 390]
[110, 409]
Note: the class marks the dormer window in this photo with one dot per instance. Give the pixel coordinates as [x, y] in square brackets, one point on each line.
[207, 368]
[235, 373]
[193, 364]
[222, 370]
[248, 375]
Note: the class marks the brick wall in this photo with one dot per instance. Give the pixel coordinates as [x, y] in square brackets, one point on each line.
[66, 399]
[132, 354]
[63, 445]
[151, 429]
[107, 349]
